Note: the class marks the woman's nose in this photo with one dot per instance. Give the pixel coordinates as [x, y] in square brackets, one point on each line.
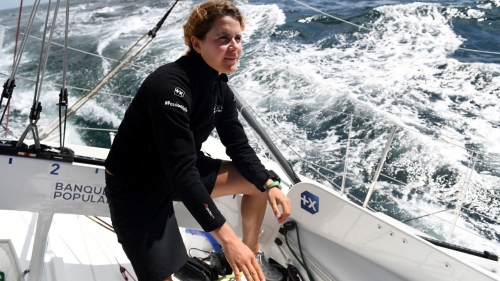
[233, 44]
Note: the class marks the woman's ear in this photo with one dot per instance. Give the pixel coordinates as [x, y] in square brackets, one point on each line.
[196, 44]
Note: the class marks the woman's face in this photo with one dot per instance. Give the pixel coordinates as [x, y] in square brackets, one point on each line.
[221, 48]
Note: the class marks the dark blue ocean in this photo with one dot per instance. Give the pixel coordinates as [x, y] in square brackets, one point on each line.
[429, 69]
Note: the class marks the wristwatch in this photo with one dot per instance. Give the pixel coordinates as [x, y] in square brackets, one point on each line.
[273, 176]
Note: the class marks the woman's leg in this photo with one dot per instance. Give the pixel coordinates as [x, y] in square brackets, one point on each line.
[253, 205]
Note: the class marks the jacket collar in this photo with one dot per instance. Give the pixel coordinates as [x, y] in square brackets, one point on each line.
[202, 70]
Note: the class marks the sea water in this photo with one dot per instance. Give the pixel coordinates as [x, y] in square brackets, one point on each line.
[328, 80]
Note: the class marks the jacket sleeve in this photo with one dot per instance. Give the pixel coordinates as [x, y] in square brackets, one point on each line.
[233, 137]
[169, 102]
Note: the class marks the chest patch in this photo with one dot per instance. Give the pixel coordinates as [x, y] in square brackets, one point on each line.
[179, 92]
[218, 108]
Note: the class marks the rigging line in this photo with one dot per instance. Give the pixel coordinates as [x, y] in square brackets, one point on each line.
[439, 138]
[123, 270]
[347, 114]
[25, 38]
[9, 132]
[337, 174]
[13, 65]
[329, 180]
[339, 19]
[71, 87]
[85, 52]
[49, 44]
[91, 230]
[482, 215]
[99, 223]
[419, 217]
[372, 171]
[63, 95]
[444, 220]
[86, 246]
[477, 51]
[58, 231]
[98, 86]
[37, 108]
[95, 129]
[40, 60]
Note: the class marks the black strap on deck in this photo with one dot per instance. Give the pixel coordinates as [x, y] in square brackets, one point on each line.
[484, 254]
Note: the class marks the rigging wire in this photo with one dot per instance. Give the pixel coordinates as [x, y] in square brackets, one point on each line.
[117, 67]
[71, 87]
[339, 19]
[13, 65]
[362, 27]
[63, 95]
[37, 106]
[329, 180]
[85, 52]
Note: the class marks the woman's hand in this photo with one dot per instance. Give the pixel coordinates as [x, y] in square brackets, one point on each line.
[238, 255]
[276, 197]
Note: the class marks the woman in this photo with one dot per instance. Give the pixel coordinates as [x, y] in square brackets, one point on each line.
[156, 154]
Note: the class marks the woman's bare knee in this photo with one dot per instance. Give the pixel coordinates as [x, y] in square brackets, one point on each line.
[230, 181]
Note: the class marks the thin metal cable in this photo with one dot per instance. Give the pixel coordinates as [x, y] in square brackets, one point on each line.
[339, 19]
[85, 52]
[482, 215]
[86, 246]
[13, 65]
[362, 27]
[95, 129]
[25, 38]
[71, 87]
[124, 60]
[430, 214]
[477, 51]
[440, 139]
[337, 174]
[324, 176]
[63, 98]
[40, 60]
[346, 155]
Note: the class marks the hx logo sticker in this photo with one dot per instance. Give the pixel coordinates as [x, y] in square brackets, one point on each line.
[179, 92]
[309, 202]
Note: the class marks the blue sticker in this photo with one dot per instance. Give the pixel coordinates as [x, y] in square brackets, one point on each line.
[309, 202]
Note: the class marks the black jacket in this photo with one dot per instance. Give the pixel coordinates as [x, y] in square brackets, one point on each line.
[173, 113]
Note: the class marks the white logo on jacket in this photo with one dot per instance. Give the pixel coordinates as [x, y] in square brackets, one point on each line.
[218, 108]
[174, 104]
[179, 92]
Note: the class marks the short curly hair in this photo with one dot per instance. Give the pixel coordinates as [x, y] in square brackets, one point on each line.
[203, 16]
